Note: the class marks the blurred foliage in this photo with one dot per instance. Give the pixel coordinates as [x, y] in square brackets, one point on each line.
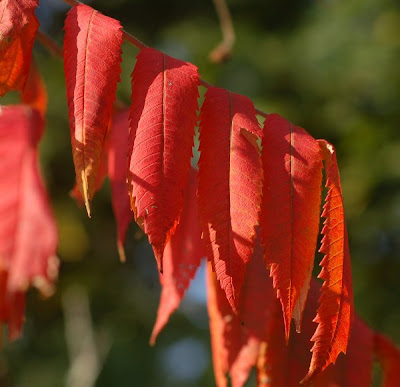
[330, 66]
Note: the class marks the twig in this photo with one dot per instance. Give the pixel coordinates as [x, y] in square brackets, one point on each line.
[224, 49]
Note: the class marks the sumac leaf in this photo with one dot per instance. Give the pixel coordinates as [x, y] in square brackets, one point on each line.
[230, 183]
[290, 211]
[354, 368]
[236, 340]
[117, 167]
[28, 235]
[163, 117]
[92, 56]
[182, 257]
[335, 309]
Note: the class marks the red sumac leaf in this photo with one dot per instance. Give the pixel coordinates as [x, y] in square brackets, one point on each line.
[163, 117]
[230, 183]
[290, 211]
[182, 257]
[117, 166]
[336, 302]
[236, 340]
[92, 56]
[222, 320]
[28, 235]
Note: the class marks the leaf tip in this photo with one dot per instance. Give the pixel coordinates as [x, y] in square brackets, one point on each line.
[287, 322]
[158, 254]
[85, 192]
[87, 205]
[153, 338]
[308, 378]
[121, 252]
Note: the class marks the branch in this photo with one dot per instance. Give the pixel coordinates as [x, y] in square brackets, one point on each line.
[224, 49]
[136, 42]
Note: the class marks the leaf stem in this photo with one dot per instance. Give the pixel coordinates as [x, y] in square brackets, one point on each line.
[140, 45]
[49, 43]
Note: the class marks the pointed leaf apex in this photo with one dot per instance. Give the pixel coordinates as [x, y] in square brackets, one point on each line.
[154, 334]
[87, 205]
[158, 254]
[287, 329]
[121, 251]
[232, 303]
[308, 378]
[85, 193]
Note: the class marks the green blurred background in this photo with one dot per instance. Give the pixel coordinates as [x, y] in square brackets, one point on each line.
[331, 66]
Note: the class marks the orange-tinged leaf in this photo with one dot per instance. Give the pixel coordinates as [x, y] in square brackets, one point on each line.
[182, 257]
[281, 365]
[230, 181]
[354, 368]
[34, 93]
[388, 355]
[257, 299]
[14, 16]
[290, 211]
[92, 57]
[163, 118]
[117, 166]
[336, 302]
[28, 235]
[15, 59]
